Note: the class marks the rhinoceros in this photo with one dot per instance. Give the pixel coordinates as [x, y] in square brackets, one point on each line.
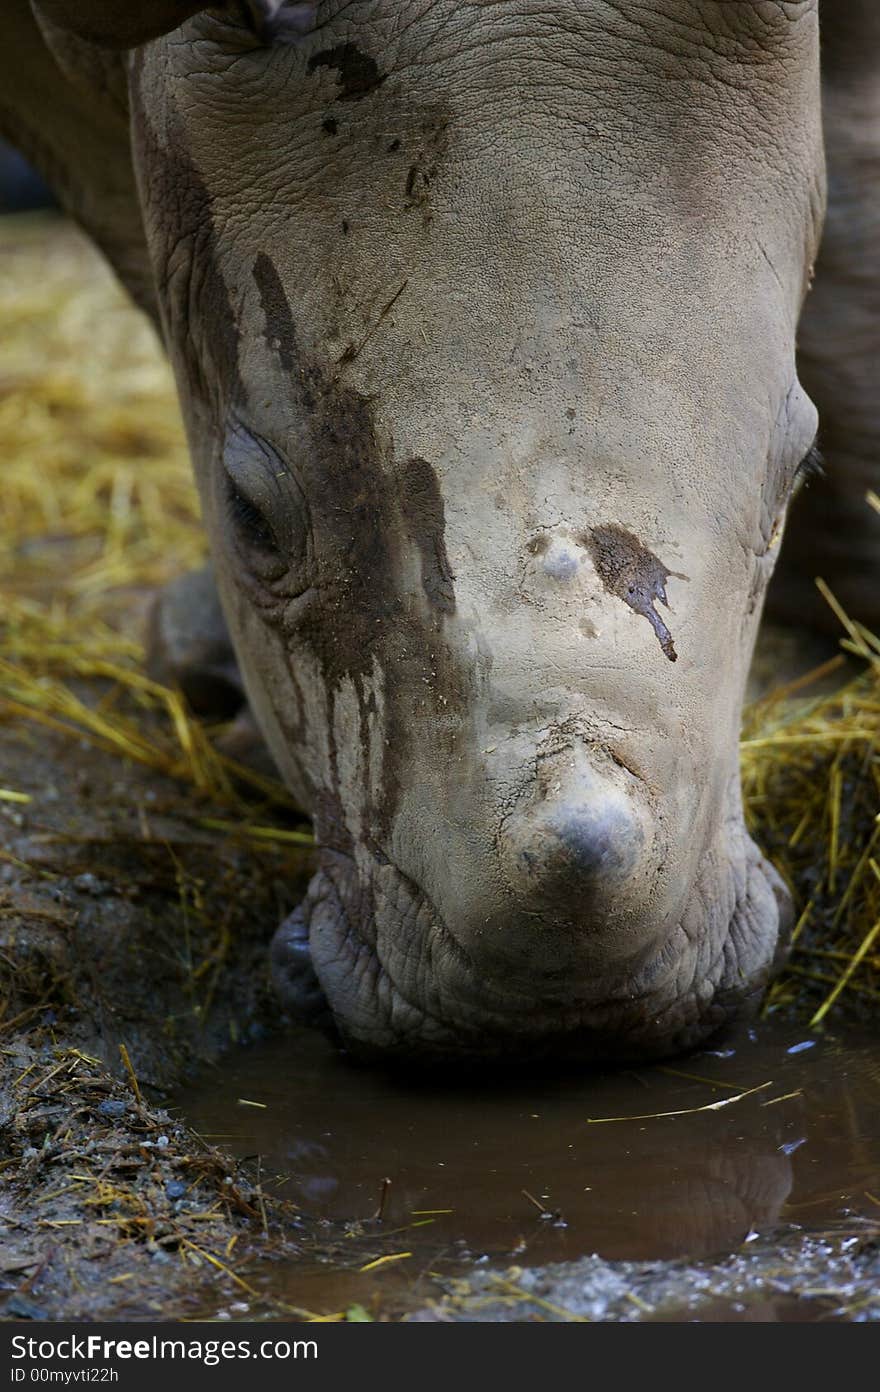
[483, 317]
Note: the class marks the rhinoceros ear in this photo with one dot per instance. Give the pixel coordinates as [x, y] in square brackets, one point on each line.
[120, 24]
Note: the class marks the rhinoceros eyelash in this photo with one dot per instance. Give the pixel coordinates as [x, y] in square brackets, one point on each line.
[812, 466]
[250, 521]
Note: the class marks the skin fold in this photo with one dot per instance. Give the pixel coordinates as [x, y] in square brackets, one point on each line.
[483, 318]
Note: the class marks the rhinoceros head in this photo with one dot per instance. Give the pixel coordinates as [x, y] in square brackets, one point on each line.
[483, 317]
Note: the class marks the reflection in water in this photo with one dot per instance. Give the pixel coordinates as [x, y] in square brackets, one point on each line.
[804, 1149]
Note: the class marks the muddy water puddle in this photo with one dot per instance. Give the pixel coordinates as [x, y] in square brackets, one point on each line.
[775, 1131]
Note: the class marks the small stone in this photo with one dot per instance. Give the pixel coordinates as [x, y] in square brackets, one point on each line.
[175, 1189]
[112, 1107]
[90, 884]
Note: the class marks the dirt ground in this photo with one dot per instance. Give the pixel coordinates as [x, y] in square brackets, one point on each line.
[123, 924]
[133, 952]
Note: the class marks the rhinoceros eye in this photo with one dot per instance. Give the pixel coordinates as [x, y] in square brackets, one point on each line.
[263, 504]
[252, 526]
[812, 466]
[271, 20]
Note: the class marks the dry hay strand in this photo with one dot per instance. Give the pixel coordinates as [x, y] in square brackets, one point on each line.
[97, 490]
[44, 677]
[99, 508]
[811, 787]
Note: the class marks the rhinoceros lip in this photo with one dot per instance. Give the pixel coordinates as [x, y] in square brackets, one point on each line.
[637, 1020]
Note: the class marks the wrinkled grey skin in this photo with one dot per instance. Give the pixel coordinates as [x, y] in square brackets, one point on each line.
[483, 319]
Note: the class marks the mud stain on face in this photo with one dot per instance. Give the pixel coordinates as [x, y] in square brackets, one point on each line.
[358, 72]
[422, 504]
[366, 518]
[280, 331]
[634, 574]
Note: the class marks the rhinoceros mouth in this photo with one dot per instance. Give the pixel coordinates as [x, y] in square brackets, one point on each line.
[369, 943]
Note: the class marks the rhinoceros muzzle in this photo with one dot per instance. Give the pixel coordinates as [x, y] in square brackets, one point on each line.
[563, 942]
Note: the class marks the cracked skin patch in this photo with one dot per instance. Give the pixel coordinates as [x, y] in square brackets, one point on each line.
[634, 574]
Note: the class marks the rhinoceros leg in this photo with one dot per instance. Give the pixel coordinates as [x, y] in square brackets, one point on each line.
[833, 532]
[188, 646]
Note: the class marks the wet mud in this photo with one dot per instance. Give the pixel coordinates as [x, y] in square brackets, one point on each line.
[634, 574]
